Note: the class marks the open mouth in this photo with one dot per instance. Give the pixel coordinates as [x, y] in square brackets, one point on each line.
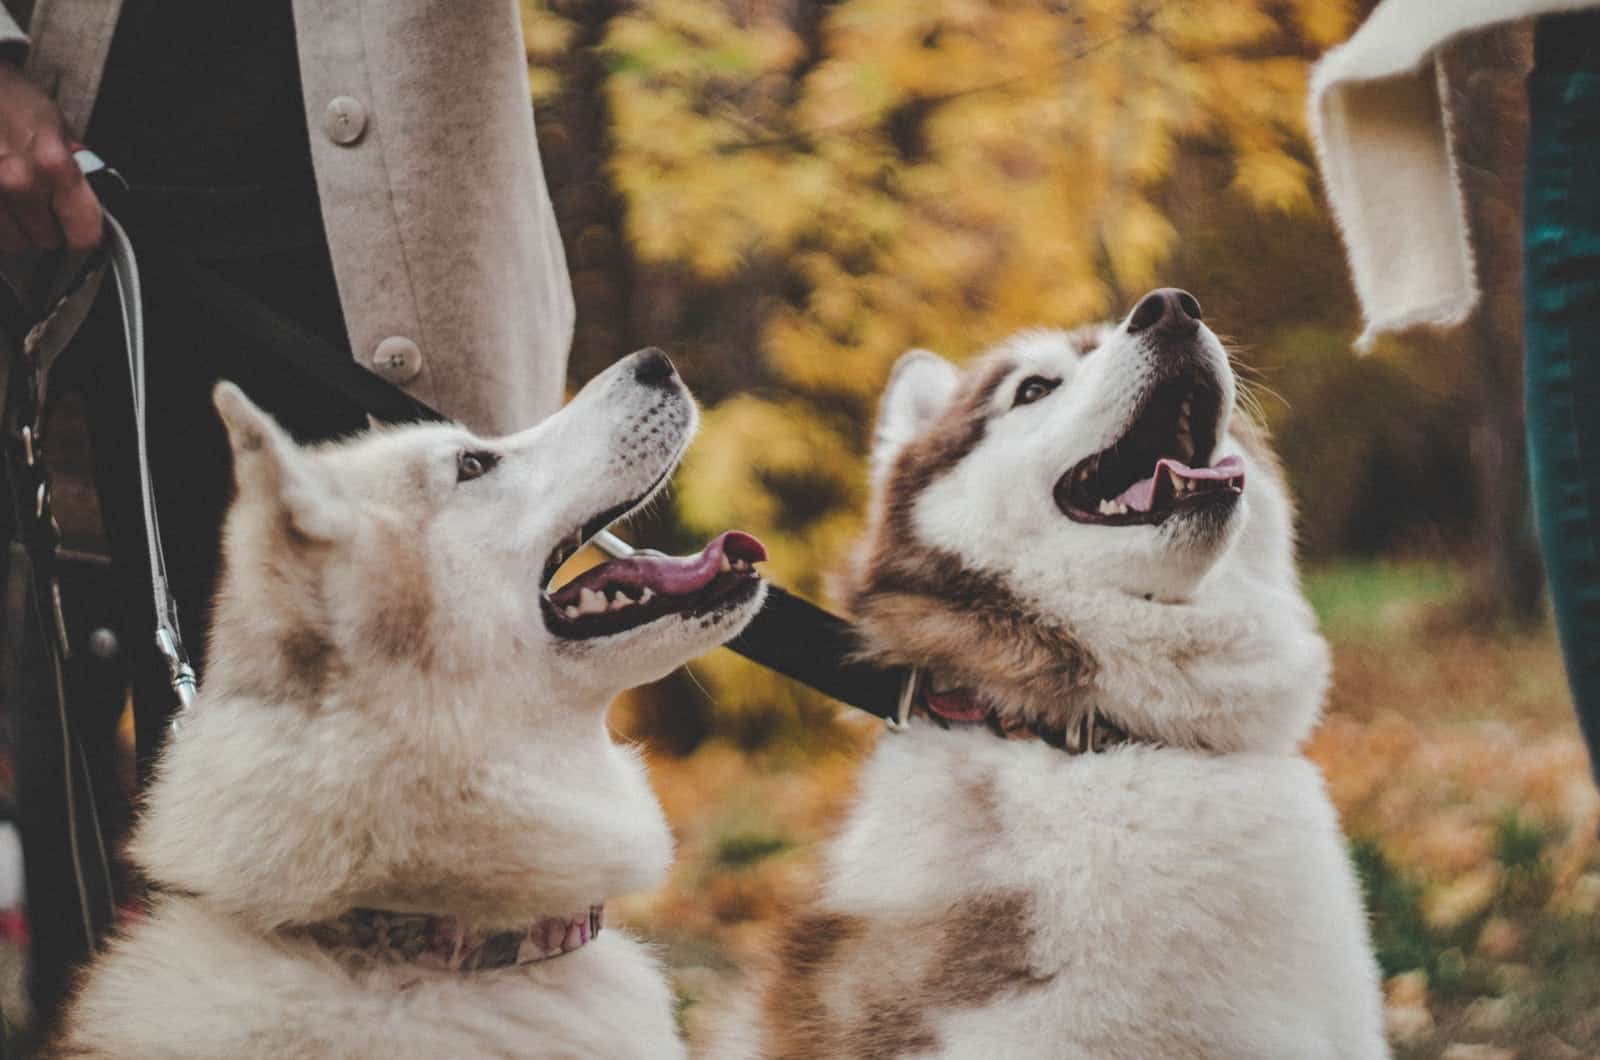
[1161, 466]
[624, 593]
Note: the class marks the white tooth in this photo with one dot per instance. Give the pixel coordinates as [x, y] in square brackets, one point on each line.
[1121, 509]
[591, 602]
[644, 597]
[724, 565]
[571, 612]
[619, 601]
[1105, 507]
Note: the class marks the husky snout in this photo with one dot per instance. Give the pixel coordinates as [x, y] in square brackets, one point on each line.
[1168, 310]
[653, 367]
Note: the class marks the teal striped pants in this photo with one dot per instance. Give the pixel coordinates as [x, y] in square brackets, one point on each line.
[1562, 305]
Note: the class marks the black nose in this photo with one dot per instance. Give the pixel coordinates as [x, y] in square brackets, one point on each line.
[1166, 309]
[653, 367]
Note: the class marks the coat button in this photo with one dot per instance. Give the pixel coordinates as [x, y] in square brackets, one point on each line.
[397, 359]
[345, 120]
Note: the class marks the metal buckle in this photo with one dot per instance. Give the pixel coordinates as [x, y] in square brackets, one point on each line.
[1079, 736]
[908, 696]
[180, 673]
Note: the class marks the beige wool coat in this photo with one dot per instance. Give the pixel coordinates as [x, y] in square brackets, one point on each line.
[444, 244]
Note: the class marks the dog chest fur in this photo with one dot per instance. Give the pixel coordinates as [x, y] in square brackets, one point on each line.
[1213, 887]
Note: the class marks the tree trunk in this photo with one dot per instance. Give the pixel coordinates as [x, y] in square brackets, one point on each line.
[1489, 101]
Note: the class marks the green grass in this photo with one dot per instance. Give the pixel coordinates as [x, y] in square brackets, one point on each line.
[741, 849]
[1399, 934]
[1355, 599]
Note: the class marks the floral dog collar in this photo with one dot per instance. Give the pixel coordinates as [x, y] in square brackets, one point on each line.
[367, 938]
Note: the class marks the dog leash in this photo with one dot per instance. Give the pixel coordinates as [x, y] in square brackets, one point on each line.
[123, 266]
[809, 644]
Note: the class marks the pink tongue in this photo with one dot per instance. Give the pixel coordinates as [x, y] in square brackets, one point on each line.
[1139, 496]
[673, 575]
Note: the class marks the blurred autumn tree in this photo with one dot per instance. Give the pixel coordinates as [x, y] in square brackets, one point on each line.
[793, 193]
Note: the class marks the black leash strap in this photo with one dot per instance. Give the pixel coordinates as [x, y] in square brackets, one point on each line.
[802, 641]
[818, 648]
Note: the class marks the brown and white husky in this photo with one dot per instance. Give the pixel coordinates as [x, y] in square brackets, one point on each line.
[389, 825]
[1096, 837]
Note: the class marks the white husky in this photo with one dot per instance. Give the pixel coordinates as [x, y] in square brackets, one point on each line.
[390, 823]
[1096, 838]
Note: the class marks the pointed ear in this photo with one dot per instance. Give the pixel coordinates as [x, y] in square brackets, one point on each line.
[919, 388]
[268, 466]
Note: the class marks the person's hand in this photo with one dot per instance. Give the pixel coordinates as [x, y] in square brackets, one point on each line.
[45, 202]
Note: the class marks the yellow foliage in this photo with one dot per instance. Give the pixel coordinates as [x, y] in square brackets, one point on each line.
[1324, 22]
[929, 173]
[547, 36]
[761, 443]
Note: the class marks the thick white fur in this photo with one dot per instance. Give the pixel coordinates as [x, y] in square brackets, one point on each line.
[1188, 899]
[455, 761]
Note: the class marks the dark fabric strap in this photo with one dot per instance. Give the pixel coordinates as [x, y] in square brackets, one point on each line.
[221, 224]
[820, 650]
[315, 357]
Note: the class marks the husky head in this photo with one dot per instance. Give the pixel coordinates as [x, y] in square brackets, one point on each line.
[1076, 514]
[425, 552]
[397, 712]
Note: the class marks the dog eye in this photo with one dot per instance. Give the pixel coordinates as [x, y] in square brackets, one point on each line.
[1033, 388]
[471, 465]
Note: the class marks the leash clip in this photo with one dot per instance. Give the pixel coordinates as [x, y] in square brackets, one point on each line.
[908, 696]
[180, 673]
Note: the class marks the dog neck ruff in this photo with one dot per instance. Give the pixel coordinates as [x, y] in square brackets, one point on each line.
[364, 939]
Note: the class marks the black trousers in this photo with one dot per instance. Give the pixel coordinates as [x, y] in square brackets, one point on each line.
[188, 351]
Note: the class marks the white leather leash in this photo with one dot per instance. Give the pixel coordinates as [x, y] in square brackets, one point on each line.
[125, 272]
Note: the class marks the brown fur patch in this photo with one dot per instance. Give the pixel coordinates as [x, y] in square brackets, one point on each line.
[985, 948]
[957, 432]
[306, 655]
[919, 605]
[809, 948]
[398, 621]
[850, 989]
